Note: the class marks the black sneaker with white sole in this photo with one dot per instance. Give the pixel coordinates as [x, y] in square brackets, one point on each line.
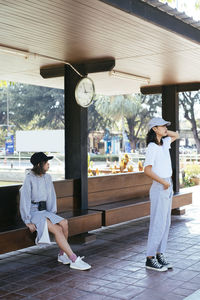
[153, 264]
[163, 261]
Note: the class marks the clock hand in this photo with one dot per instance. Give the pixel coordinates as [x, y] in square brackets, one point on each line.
[85, 91]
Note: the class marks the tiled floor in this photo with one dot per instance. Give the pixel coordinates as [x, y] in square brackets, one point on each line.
[194, 296]
[117, 258]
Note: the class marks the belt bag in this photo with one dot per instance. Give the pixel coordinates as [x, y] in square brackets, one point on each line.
[42, 205]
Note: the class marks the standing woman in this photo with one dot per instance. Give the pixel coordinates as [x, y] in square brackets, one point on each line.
[38, 208]
[158, 167]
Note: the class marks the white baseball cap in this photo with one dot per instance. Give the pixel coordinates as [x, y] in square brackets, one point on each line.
[158, 122]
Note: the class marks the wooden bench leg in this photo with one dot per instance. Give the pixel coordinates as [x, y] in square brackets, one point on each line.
[83, 238]
[178, 211]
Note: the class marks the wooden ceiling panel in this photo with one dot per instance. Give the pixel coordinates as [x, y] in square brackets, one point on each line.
[79, 30]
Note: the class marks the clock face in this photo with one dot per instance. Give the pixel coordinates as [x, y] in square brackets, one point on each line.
[84, 92]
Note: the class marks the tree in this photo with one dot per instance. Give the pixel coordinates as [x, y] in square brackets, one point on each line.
[30, 107]
[134, 111]
[33, 106]
[188, 101]
[96, 121]
[137, 123]
[28, 102]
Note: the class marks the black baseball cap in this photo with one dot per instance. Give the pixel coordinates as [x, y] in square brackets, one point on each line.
[38, 157]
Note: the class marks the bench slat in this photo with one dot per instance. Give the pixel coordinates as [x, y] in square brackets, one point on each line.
[64, 188]
[117, 194]
[123, 211]
[106, 183]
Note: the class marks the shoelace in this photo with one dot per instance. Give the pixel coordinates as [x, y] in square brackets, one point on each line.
[155, 263]
[162, 259]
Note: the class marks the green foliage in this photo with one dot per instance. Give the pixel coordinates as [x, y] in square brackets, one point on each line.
[165, 1]
[136, 110]
[190, 102]
[187, 182]
[32, 106]
[184, 3]
[192, 170]
[197, 4]
[114, 107]
[45, 105]
[96, 121]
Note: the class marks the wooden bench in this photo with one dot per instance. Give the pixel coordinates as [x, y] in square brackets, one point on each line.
[112, 199]
[13, 233]
[124, 197]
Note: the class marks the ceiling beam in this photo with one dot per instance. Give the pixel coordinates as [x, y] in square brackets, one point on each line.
[93, 66]
[182, 87]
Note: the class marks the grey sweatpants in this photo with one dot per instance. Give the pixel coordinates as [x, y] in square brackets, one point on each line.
[160, 217]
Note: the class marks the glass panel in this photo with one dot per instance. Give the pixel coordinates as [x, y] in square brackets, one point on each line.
[31, 120]
[189, 138]
[117, 132]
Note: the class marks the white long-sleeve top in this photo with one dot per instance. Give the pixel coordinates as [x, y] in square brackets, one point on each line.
[36, 188]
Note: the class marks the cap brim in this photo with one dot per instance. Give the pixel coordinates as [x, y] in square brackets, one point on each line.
[167, 123]
[164, 123]
[49, 157]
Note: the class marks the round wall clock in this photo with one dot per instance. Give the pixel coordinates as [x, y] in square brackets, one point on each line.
[84, 92]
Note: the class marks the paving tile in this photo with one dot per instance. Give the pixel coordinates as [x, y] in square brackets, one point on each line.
[128, 293]
[185, 275]
[111, 277]
[132, 268]
[105, 291]
[149, 294]
[54, 292]
[182, 291]
[128, 280]
[196, 279]
[191, 285]
[172, 296]
[3, 292]
[98, 281]
[12, 296]
[147, 282]
[87, 287]
[121, 272]
[117, 285]
[139, 275]
[185, 264]
[93, 297]
[31, 290]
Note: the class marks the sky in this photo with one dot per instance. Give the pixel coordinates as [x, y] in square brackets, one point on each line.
[188, 6]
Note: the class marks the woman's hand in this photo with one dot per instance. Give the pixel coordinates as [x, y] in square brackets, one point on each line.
[31, 227]
[148, 171]
[166, 185]
[174, 135]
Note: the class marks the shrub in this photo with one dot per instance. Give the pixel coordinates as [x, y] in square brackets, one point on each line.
[192, 170]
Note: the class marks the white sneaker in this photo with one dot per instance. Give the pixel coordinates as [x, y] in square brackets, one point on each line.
[79, 264]
[64, 259]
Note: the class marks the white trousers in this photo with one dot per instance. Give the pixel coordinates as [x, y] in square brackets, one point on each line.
[160, 217]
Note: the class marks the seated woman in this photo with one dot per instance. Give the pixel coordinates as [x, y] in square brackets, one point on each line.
[38, 211]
